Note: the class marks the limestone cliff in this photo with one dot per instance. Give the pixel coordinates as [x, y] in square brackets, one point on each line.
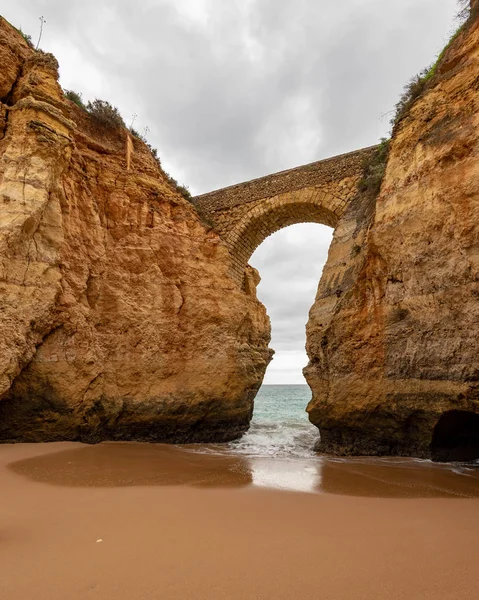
[119, 319]
[393, 334]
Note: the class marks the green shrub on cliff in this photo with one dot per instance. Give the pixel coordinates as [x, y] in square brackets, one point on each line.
[415, 86]
[137, 134]
[75, 97]
[374, 169]
[185, 192]
[105, 114]
[181, 189]
[25, 36]
[413, 89]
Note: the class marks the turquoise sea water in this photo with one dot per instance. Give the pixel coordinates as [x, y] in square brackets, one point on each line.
[279, 452]
[280, 425]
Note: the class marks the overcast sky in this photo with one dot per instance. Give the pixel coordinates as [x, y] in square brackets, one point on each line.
[230, 90]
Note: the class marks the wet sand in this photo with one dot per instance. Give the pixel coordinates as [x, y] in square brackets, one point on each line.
[141, 522]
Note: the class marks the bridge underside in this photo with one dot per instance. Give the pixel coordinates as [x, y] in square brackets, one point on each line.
[246, 214]
[272, 215]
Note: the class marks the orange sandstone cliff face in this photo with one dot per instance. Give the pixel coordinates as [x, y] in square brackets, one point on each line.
[119, 319]
[393, 334]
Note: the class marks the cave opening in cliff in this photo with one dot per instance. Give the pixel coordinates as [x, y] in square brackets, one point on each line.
[456, 437]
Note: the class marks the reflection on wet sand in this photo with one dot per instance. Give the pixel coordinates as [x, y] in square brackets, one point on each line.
[131, 464]
[391, 478]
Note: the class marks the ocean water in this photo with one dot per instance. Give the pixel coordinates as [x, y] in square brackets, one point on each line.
[278, 453]
[280, 427]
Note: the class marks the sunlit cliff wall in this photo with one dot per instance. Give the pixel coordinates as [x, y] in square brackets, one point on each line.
[118, 316]
[393, 334]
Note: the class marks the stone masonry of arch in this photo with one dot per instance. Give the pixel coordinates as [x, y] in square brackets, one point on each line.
[247, 213]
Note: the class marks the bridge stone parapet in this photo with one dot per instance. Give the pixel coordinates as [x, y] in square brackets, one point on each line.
[247, 213]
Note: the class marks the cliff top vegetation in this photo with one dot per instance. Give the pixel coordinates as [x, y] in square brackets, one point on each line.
[417, 84]
[106, 115]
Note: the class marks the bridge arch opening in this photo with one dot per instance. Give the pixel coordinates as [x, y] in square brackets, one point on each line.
[290, 263]
[269, 218]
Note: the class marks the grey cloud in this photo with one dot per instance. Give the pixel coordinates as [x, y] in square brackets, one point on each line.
[291, 267]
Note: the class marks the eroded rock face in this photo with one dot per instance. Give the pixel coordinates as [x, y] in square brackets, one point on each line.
[393, 334]
[119, 319]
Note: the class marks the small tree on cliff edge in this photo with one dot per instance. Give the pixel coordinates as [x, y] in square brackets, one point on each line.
[105, 114]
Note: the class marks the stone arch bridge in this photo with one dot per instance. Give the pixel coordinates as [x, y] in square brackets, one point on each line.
[247, 213]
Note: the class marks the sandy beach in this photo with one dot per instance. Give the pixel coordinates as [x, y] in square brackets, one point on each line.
[140, 522]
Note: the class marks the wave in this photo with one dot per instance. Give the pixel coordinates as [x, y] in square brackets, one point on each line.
[291, 439]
